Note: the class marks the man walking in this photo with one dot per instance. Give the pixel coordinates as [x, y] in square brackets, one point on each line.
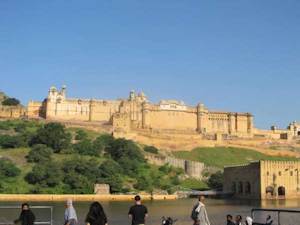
[199, 214]
[138, 212]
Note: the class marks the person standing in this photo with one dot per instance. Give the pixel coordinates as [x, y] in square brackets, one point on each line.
[70, 214]
[249, 220]
[26, 217]
[199, 213]
[238, 220]
[138, 212]
[96, 215]
[230, 220]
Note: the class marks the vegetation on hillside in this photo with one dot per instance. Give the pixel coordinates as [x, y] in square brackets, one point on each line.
[7, 101]
[223, 156]
[37, 157]
[49, 158]
[11, 102]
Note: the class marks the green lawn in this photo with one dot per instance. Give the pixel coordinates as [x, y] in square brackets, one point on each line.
[222, 156]
[17, 184]
[194, 184]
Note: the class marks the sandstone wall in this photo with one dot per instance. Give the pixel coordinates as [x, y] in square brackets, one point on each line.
[12, 112]
[280, 175]
[191, 168]
[243, 181]
[36, 110]
[172, 120]
[82, 110]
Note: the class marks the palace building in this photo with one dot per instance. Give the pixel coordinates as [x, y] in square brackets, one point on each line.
[136, 112]
[263, 180]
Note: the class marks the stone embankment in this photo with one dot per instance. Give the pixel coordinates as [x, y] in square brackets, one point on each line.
[78, 198]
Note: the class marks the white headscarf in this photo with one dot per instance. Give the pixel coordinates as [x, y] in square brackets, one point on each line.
[249, 220]
[70, 212]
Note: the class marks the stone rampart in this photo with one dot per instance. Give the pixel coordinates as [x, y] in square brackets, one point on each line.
[191, 168]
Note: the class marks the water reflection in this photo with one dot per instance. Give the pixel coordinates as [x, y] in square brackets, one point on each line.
[179, 209]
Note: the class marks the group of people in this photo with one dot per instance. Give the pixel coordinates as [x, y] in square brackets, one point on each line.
[137, 213]
[96, 215]
[238, 220]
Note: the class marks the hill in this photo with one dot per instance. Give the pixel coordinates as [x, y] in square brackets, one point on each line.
[37, 157]
[222, 156]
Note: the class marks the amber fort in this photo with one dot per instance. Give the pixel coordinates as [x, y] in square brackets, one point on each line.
[137, 115]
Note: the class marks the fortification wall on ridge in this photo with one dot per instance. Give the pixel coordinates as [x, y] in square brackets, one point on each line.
[191, 168]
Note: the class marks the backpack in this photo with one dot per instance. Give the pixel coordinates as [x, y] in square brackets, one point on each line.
[194, 214]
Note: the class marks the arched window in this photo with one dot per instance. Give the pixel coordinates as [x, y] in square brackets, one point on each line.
[270, 190]
[233, 187]
[240, 187]
[281, 191]
[247, 188]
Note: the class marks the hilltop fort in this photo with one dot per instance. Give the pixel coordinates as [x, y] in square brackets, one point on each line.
[137, 118]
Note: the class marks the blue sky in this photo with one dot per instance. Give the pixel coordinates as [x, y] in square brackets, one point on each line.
[236, 55]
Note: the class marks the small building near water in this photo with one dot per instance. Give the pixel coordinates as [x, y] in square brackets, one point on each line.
[102, 189]
[264, 179]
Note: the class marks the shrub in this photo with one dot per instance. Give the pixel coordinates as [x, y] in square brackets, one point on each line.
[11, 102]
[8, 169]
[216, 180]
[78, 184]
[48, 174]
[120, 148]
[39, 153]
[85, 167]
[53, 135]
[8, 141]
[80, 135]
[85, 147]
[151, 149]
[102, 142]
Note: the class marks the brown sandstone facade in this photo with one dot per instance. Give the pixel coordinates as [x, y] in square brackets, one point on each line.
[263, 180]
[137, 118]
[136, 112]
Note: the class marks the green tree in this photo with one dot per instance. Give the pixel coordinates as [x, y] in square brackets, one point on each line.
[53, 135]
[39, 153]
[144, 183]
[82, 166]
[81, 135]
[8, 169]
[11, 102]
[15, 141]
[109, 168]
[85, 147]
[110, 173]
[124, 148]
[78, 184]
[47, 174]
[102, 142]
[151, 149]
[215, 181]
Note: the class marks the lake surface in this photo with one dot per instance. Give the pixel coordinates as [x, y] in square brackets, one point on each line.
[179, 209]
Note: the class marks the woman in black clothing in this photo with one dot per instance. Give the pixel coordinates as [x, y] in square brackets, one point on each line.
[96, 215]
[26, 217]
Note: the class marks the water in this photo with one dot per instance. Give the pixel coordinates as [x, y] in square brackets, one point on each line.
[179, 209]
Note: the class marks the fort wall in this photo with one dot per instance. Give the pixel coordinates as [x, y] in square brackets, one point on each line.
[191, 168]
[136, 114]
[12, 112]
